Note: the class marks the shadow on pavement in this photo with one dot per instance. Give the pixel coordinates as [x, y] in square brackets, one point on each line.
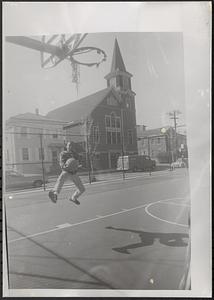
[148, 238]
[98, 281]
[53, 278]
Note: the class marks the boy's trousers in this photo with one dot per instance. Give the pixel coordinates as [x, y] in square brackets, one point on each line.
[64, 176]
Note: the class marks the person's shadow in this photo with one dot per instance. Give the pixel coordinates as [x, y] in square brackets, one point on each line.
[148, 238]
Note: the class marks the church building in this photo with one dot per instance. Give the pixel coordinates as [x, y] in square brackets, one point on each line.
[103, 124]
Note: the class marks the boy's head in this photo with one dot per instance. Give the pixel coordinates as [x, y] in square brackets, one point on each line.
[69, 146]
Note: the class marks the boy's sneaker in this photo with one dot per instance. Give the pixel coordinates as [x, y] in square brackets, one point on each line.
[53, 196]
[74, 199]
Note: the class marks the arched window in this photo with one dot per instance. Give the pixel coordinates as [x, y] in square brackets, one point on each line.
[113, 128]
[113, 120]
[119, 80]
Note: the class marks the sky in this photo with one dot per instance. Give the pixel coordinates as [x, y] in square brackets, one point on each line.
[154, 59]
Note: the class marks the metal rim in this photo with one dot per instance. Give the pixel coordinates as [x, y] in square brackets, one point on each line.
[82, 50]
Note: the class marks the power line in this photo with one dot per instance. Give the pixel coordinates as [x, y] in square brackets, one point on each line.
[174, 116]
[101, 132]
[44, 134]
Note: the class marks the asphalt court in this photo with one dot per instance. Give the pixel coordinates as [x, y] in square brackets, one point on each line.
[116, 239]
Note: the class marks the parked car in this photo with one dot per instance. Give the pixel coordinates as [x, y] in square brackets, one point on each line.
[136, 163]
[179, 163]
[14, 179]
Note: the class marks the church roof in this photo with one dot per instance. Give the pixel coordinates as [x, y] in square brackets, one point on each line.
[117, 60]
[30, 116]
[79, 109]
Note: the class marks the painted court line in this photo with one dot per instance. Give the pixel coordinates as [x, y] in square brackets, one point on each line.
[175, 204]
[160, 219]
[66, 186]
[97, 218]
[76, 224]
[63, 225]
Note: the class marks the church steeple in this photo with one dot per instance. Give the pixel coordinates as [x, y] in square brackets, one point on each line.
[118, 77]
[117, 60]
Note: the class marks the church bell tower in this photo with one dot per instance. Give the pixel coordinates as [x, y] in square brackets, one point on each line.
[120, 80]
[118, 77]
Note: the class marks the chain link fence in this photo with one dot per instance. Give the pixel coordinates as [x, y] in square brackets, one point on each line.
[32, 158]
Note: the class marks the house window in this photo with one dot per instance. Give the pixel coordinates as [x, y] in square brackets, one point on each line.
[97, 156]
[130, 137]
[108, 136]
[114, 138]
[113, 121]
[25, 154]
[23, 132]
[158, 141]
[118, 122]
[118, 138]
[95, 134]
[108, 121]
[41, 154]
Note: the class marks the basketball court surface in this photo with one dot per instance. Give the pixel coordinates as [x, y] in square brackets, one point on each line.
[125, 235]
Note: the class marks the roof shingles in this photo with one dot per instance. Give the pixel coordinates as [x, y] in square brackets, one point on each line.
[78, 109]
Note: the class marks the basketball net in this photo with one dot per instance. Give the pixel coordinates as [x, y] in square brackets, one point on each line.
[75, 74]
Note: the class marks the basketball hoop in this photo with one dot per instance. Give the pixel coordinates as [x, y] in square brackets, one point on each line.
[56, 48]
[63, 46]
[84, 50]
[69, 46]
[75, 64]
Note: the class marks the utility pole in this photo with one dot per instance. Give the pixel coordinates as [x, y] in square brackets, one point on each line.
[149, 146]
[174, 116]
[122, 135]
[42, 157]
[88, 161]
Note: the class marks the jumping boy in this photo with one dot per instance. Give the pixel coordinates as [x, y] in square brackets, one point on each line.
[67, 173]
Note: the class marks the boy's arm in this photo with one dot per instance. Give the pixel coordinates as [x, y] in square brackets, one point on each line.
[75, 155]
[62, 159]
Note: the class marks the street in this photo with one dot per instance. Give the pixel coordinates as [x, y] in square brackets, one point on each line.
[126, 234]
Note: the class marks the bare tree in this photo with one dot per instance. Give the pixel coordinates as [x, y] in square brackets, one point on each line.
[92, 138]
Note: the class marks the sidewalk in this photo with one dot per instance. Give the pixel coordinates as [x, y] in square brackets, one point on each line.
[108, 175]
[105, 176]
